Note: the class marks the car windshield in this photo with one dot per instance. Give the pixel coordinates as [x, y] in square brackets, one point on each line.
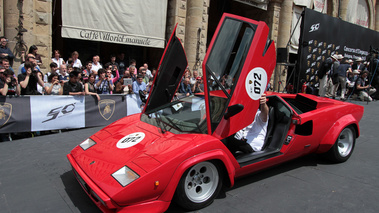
[182, 116]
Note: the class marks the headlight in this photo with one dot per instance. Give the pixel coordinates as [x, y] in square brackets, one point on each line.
[87, 144]
[125, 176]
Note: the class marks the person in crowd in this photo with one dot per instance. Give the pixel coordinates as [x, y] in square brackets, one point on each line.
[70, 68]
[5, 52]
[53, 69]
[144, 75]
[251, 138]
[96, 63]
[40, 88]
[88, 70]
[360, 65]
[342, 71]
[122, 87]
[75, 60]
[63, 75]
[363, 88]
[133, 62]
[104, 84]
[73, 87]
[5, 63]
[29, 80]
[8, 83]
[112, 72]
[193, 79]
[185, 87]
[31, 58]
[154, 72]
[198, 86]
[331, 75]
[122, 62]
[33, 50]
[57, 58]
[139, 85]
[351, 79]
[148, 72]
[53, 86]
[323, 74]
[113, 62]
[90, 88]
[132, 71]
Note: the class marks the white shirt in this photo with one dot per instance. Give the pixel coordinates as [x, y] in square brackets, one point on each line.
[58, 62]
[255, 133]
[96, 67]
[77, 63]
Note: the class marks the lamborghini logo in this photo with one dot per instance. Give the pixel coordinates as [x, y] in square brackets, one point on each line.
[5, 113]
[106, 108]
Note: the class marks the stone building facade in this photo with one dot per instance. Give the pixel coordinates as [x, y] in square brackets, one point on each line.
[196, 21]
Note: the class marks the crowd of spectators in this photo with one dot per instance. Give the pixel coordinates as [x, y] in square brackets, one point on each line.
[351, 77]
[72, 77]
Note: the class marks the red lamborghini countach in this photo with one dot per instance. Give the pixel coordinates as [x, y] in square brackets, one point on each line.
[175, 149]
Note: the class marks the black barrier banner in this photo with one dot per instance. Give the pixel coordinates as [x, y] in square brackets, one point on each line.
[14, 114]
[322, 36]
[41, 113]
[110, 108]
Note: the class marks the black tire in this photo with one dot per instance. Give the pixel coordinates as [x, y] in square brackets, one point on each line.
[343, 147]
[199, 186]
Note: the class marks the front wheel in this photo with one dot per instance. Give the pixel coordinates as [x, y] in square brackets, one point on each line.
[344, 146]
[198, 186]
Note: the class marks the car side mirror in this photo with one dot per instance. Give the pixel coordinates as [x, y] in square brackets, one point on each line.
[233, 110]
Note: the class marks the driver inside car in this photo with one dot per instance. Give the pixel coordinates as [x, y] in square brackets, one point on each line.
[251, 138]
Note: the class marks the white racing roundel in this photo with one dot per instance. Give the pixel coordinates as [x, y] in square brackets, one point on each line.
[130, 140]
[256, 82]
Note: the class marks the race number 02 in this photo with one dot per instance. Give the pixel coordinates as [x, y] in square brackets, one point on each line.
[256, 82]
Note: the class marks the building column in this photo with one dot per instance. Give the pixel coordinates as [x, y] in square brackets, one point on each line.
[377, 16]
[196, 27]
[176, 14]
[284, 33]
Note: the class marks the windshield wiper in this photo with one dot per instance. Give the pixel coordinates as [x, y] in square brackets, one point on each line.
[159, 121]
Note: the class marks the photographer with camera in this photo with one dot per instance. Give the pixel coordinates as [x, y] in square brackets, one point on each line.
[363, 87]
[73, 86]
[104, 84]
[29, 80]
[8, 83]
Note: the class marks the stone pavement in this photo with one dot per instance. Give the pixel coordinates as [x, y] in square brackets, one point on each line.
[35, 176]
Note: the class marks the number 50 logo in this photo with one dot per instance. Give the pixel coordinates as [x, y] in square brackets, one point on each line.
[256, 82]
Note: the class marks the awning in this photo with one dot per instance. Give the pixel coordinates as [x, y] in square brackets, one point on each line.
[132, 22]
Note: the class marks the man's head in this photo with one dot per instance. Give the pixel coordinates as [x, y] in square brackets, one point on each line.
[195, 74]
[3, 41]
[88, 66]
[70, 68]
[146, 66]
[5, 63]
[139, 79]
[29, 65]
[95, 59]
[74, 76]
[365, 74]
[75, 55]
[186, 81]
[126, 74]
[101, 73]
[133, 62]
[113, 58]
[63, 69]
[53, 67]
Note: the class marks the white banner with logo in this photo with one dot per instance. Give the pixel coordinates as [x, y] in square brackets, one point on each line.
[132, 22]
[357, 13]
[57, 112]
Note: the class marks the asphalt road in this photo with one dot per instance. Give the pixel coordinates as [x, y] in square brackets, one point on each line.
[35, 176]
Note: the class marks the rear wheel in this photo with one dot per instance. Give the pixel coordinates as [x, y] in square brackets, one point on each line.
[198, 186]
[344, 146]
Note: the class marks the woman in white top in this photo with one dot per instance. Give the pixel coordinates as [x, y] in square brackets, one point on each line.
[57, 58]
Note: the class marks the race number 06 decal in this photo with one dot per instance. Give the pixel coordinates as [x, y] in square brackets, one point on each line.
[130, 140]
[256, 82]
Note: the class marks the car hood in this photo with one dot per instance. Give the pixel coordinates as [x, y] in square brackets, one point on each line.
[128, 142]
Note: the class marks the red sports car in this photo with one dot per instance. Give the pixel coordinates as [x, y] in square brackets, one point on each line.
[175, 149]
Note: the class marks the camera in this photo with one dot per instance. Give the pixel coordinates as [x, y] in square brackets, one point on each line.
[13, 81]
